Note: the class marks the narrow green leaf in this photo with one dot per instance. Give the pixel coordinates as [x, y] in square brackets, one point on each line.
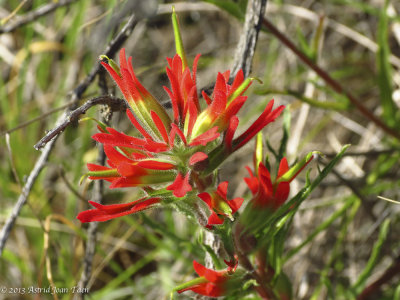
[374, 258]
[326, 224]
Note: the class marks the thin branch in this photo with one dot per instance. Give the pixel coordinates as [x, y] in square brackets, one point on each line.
[98, 191]
[248, 40]
[75, 95]
[113, 102]
[5, 231]
[91, 233]
[110, 50]
[33, 15]
[336, 86]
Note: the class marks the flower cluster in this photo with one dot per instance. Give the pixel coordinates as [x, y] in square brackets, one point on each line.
[175, 160]
[175, 154]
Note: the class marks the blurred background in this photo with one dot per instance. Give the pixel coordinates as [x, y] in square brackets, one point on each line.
[341, 242]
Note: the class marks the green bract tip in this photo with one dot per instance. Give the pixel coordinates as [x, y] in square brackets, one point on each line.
[178, 39]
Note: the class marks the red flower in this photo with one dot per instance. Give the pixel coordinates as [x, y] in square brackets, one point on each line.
[263, 120]
[106, 212]
[211, 283]
[127, 172]
[220, 205]
[273, 194]
[227, 101]
[139, 99]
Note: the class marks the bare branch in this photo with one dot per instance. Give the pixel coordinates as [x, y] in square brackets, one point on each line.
[248, 40]
[75, 95]
[33, 15]
[110, 50]
[5, 231]
[113, 102]
[98, 192]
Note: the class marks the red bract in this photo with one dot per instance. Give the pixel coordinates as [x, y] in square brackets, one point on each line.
[220, 205]
[268, 193]
[106, 212]
[211, 283]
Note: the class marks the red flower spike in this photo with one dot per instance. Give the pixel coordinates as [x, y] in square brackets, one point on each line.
[210, 283]
[273, 194]
[103, 213]
[263, 120]
[183, 87]
[219, 204]
[180, 186]
[141, 101]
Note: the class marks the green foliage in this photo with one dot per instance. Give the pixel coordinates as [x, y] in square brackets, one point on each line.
[385, 69]
[146, 255]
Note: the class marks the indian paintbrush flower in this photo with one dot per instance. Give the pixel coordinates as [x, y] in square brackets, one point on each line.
[210, 283]
[176, 155]
[219, 205]
[273, 193]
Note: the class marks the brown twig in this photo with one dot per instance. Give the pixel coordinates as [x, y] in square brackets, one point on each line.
[33, 15]
[330, 81]
[374, 287]
[114, 102]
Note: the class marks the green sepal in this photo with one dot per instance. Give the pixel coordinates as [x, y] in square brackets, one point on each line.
[193, 282]
[104, 173]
